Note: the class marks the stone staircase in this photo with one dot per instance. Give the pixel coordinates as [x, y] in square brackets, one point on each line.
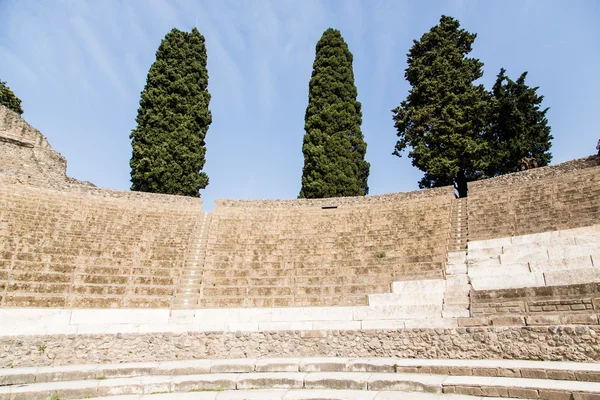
[307, 378]
[459, 232]
[189, 290]
[458, 285]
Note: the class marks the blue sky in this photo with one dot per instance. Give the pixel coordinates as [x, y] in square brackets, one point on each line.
[79, 67]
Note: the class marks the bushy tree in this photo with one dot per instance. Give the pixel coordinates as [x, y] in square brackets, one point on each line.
[444, 116]
[173, 118]
[8, 99]
[518, 127]
[334, 148]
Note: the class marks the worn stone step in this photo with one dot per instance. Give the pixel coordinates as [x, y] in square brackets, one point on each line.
[297, 394]
[399, 382]
[556, 370]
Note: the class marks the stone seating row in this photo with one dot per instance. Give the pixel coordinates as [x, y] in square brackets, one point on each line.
[554, 202]
[556, 258]
[401, 377]
[77, 250]
[276, 244]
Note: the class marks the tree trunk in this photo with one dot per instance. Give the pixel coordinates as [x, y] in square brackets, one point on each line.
[461, 184]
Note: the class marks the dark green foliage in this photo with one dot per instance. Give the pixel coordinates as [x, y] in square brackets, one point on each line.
[443, 119]
[173, 118]
[8, 99]
[334, 148]
[519, 127]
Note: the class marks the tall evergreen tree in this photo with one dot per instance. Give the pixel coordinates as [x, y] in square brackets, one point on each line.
[173, 118]
[444, 116]
[8, 99]
[518, 127]
[334, 148]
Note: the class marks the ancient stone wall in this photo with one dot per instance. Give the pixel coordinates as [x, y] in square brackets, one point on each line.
[563, 196]
[555, 343]
[93, 249]
[25, 153]
[570, 299]
[551, 171]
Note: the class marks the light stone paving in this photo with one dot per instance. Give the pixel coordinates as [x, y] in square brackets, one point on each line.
[557, 258]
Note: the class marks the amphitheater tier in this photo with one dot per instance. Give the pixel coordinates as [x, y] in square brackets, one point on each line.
[402, 292]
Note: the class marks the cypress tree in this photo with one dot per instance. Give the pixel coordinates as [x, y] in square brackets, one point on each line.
[8, 99]
[444, 117]
[334, 148]
[518, 127]
[173, 118]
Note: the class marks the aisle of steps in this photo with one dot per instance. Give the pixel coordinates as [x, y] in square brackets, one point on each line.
[438, 301]
[307, 378]
[458, 285]
[189, 289]
[459, 233]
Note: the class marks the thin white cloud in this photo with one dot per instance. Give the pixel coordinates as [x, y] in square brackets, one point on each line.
[96, 51]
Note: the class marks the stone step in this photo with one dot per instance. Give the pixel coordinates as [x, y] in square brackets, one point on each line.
[419, 286]
[297, 394]
[532, 279]
[555, 370]
[398, 312]
[484, 386]
[383, 299]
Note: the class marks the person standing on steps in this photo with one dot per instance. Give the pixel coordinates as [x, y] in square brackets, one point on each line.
[598, 147]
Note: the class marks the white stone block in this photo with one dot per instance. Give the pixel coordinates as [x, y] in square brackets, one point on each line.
[285, 326]
[587, 239]
[574, 251]
[539, 246]
[456, 269]
[239, 365]
[337, 380]
[397, 312]
[384, 299]
[383, 324]
[485, 261]
[252, 394]
[117, 316]
[509, 269]
[455, 312]
[572, 277]
[336, 325]
[419, 286]
[535, 237]
[271, 380]
[457, 257]
[533, 279]
[558, 264]
[213, 326]
[170, 327]
[431, 323]
[485, 252]
[107, 329]
[524, 257]
[329, 394]
[277, 365]
[457, 280]
[481, 244]
[234, 326]
[292, 314]
[33, 321]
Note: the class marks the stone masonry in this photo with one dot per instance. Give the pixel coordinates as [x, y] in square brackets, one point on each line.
[553, 343]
